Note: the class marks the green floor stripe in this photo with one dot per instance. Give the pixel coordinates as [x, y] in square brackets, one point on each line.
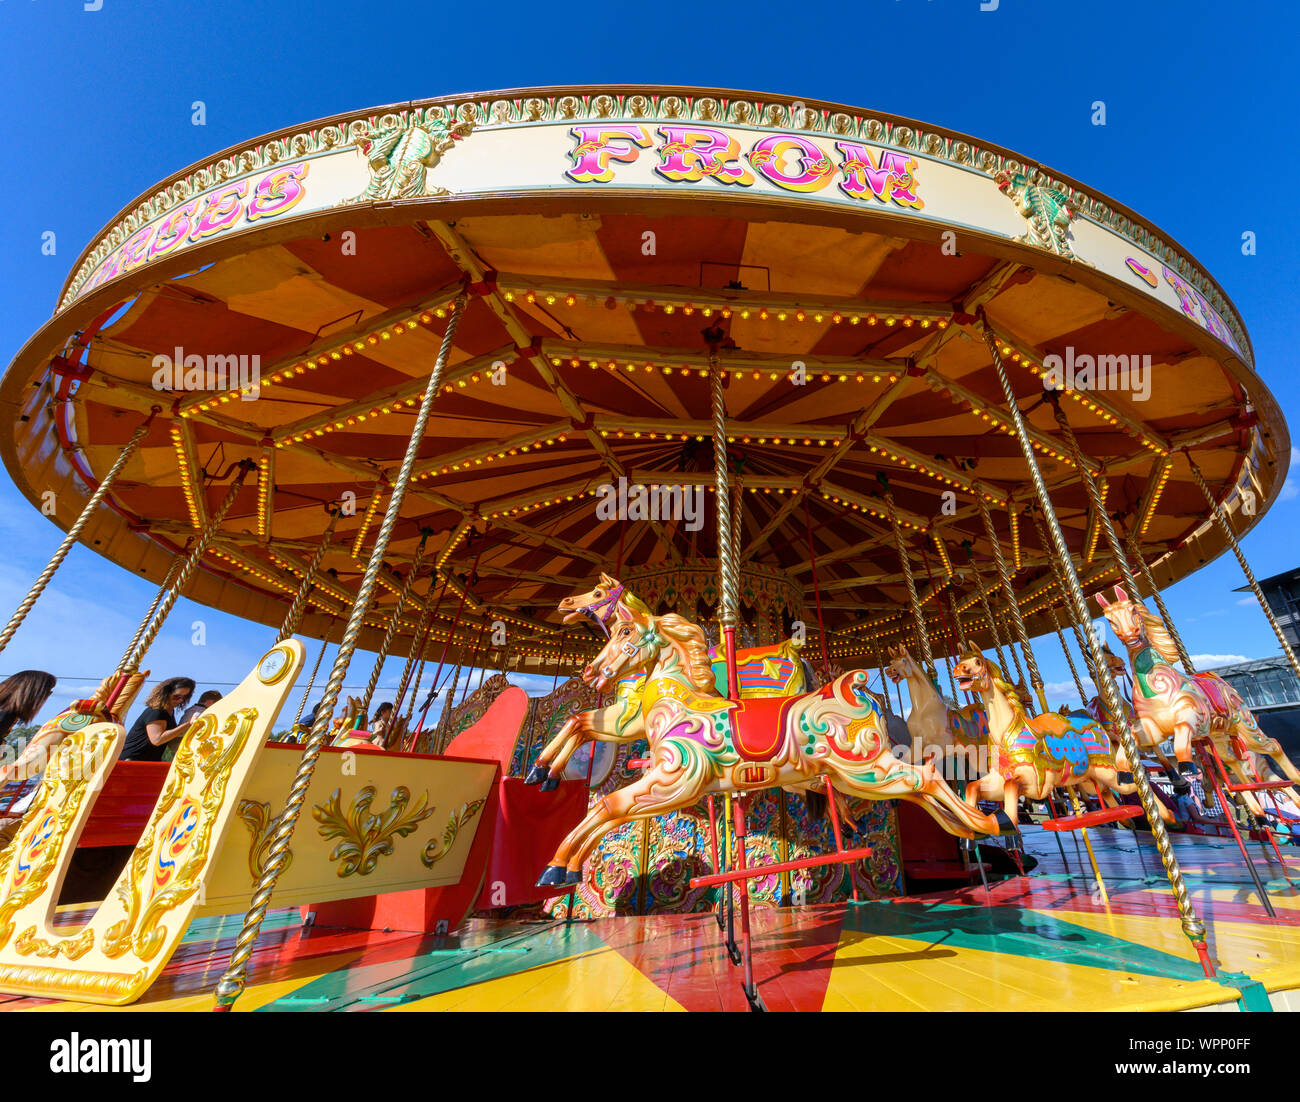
[434, 970]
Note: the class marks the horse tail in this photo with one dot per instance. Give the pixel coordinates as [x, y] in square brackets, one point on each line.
[814, 803]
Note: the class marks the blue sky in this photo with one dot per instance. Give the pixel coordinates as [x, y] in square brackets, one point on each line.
[1200, 102]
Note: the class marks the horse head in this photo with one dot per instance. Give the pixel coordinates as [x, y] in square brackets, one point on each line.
[600, 604]
[638, 645]
[1127, 618]
[901, 665]
[974, 672]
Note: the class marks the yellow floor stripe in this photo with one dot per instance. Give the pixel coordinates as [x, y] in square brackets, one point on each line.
[599, 980]
[1267, 953]
[883, 973]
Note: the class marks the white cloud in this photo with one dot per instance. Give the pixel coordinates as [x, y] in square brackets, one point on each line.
[1251, 600]
[1290, 489]
[1210, 661]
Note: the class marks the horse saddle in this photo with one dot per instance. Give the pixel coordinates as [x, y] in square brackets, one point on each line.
[758, 726]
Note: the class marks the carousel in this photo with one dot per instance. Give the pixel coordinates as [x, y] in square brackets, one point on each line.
[778, 440]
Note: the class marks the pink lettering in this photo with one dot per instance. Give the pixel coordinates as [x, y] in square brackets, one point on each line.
[597, 146]
[808, 168]
[222, 211]
[691, 153]
[277, 192]
[889, 180]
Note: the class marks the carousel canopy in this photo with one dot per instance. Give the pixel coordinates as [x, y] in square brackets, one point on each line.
[283, 303]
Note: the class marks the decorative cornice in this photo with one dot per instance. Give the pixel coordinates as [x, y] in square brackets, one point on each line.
[493, 110]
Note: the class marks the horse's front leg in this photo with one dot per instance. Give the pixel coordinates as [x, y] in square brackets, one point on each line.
[655, 793]
[1238, 769]
[573, 730]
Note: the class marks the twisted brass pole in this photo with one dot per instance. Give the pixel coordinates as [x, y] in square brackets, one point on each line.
[1013, 606]
[132, 661]
[233, 981]
[88, 510]
[306, 693]
[1062, 586]
[419, 643]
[1069, 658]
[177, 562]
[294, 616]
[1153, 589]
[1192, 925]
[1231, 537]
[727, 606]
[988, 612]
[392, 626]
[918, 614]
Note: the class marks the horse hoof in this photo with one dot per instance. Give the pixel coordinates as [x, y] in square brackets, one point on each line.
[553, 877]
[550, 784]
[573, 876]
[1005, 825]
[1124, 778]
[537, 774]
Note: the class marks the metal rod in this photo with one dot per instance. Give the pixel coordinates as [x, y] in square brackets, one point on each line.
[88, 510]
[132, 661]
[174, 569]
[1192, 925]
[1149, 578]
[294, 616]
[918, 615]
[726, 563]
[393, 623]
[1013, 606]
[233, 981]
[1231, 537]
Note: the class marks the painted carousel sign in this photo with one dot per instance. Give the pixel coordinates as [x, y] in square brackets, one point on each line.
[793, 162]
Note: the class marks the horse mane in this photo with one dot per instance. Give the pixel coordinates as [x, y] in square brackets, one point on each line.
[699, 667]
[1158, 635]
[1008, 690]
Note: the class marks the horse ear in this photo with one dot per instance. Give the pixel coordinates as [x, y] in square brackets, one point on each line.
[605, 579]
[1101, 600]
[1120, 595]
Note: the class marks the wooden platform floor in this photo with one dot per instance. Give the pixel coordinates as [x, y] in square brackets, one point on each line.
[1046, 941]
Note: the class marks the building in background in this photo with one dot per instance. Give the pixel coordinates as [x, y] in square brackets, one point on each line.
[1282, 592]
[1270, 687]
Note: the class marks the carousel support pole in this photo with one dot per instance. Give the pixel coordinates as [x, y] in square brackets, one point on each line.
[1192, 925]
[746, 938]
[1013, 605]
[172, 571]
[918, 615]
[1062, 586]
[306, 693]
[982, 593]
[1069, 658]
[131, 662]
[232, 983]
[1221, 517]
[713, 846]
[722, 486]
[1149, 578]
[61, 553]
[729, 857]
[393, 624]
[294, 616]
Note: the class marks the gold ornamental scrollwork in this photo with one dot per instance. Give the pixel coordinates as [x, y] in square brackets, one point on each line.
[37, 848]
[436, 850]
[367, 837]
[261, 825]
[74, 948]
[166, 871]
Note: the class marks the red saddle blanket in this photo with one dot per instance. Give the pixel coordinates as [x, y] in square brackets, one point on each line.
[1219, 693]
[758, 726]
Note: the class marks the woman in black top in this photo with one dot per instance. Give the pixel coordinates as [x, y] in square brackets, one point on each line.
[22, 696]
[157, 725]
